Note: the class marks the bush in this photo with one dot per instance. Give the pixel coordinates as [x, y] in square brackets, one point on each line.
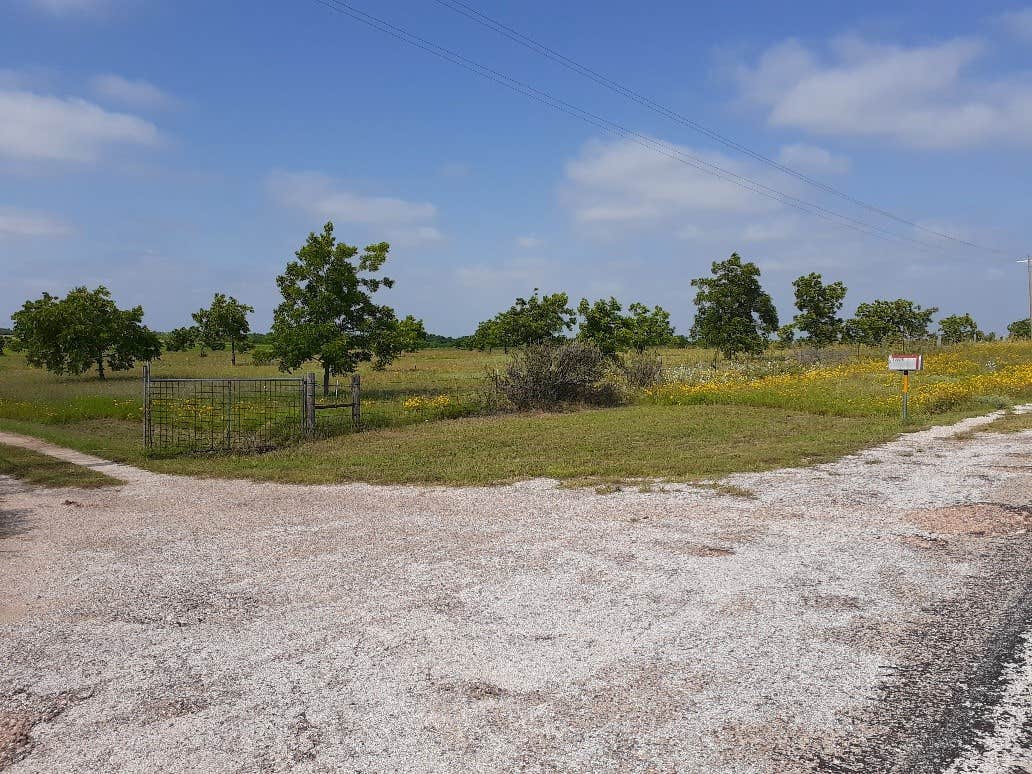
[549, 375]
[642, 369]
[262, 356]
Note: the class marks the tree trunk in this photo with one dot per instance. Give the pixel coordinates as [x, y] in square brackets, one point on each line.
[232, 350]
[325, 380]
[100, 367]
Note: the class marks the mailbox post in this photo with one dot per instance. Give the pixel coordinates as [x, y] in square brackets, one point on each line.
[905, 364]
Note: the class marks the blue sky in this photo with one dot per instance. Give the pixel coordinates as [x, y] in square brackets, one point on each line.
[173, 149]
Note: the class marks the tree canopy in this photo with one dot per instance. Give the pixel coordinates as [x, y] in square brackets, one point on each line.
[225, 320]
[535, 320]
[818, 306]
[612, 331]
[328, 313]
[82, 330]
[887, 322]
[180, 339]
[1020, 329]
[959, 327]
[733, 312]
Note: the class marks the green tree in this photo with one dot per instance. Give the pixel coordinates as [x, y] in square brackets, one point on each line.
[410, 334]
[603, 324]
[535, 320]
[959, 327]
[733, 312]
[180, 339]
[82, 330]
[1020, 329]
[647, 327]
[328, 313]
[885, 322]
[786, 335]
[818, 306]
[612, 331]
[225, 320]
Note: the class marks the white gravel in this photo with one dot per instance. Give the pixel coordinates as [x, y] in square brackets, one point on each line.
[176, 624]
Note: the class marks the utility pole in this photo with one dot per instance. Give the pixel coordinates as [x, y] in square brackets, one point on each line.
[1028, 266]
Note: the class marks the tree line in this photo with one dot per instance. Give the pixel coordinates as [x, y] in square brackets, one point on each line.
[329, 314]
[734, 315]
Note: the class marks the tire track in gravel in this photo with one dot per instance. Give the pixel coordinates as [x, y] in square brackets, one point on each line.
[938, 704]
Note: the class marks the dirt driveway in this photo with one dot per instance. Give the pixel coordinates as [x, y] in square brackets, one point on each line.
[865, 615]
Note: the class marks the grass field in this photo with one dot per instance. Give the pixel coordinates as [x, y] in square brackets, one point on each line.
[701, 423]
[1009, 423]
[39, 469]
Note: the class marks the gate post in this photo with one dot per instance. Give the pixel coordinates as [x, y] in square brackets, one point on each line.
[148, 437]
[309, 407]
[227, 395]
[356, 401]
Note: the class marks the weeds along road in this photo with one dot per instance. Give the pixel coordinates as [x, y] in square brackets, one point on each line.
[870, 615]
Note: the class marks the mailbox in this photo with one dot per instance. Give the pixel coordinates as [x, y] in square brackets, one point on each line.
[905, 363]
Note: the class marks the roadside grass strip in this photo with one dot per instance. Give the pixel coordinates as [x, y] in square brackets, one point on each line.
[43, 470]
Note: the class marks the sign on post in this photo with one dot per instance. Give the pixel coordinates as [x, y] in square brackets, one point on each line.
[905, 364]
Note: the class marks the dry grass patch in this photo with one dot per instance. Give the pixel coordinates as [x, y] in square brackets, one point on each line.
[977, 519]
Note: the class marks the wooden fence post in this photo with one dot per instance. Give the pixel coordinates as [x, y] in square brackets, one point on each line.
[227, 406]
[310, 404]
[147, 434]
[356, 401]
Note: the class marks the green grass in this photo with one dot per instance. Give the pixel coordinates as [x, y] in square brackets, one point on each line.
[590, 447]
[42, 470]
[1009, 423]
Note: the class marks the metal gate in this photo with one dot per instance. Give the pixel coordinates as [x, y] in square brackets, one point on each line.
[236, 415]
[209, 415]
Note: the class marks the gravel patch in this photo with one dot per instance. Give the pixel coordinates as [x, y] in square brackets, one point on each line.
[846, 617]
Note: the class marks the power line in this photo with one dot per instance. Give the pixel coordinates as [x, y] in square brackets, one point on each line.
[484, 20]
[611, 127]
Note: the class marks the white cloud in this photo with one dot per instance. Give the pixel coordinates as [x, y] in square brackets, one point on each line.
[134, 93]
[36, 127]
[919, 96]
[771, 230]
[426, 234]
[519, 276]
[1017, 23]
[66, 8]
[528, 242]
[22, 223]
[625, 184]
[321, 197]
[811, 158]
[25, 79]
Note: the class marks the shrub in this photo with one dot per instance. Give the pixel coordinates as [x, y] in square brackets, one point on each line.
[549, 375]
[262, 356]
[642, 369]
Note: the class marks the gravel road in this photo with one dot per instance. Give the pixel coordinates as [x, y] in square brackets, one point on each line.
[871, 615]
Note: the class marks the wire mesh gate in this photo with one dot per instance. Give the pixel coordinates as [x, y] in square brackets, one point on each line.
[239, 415]
[199, 415]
